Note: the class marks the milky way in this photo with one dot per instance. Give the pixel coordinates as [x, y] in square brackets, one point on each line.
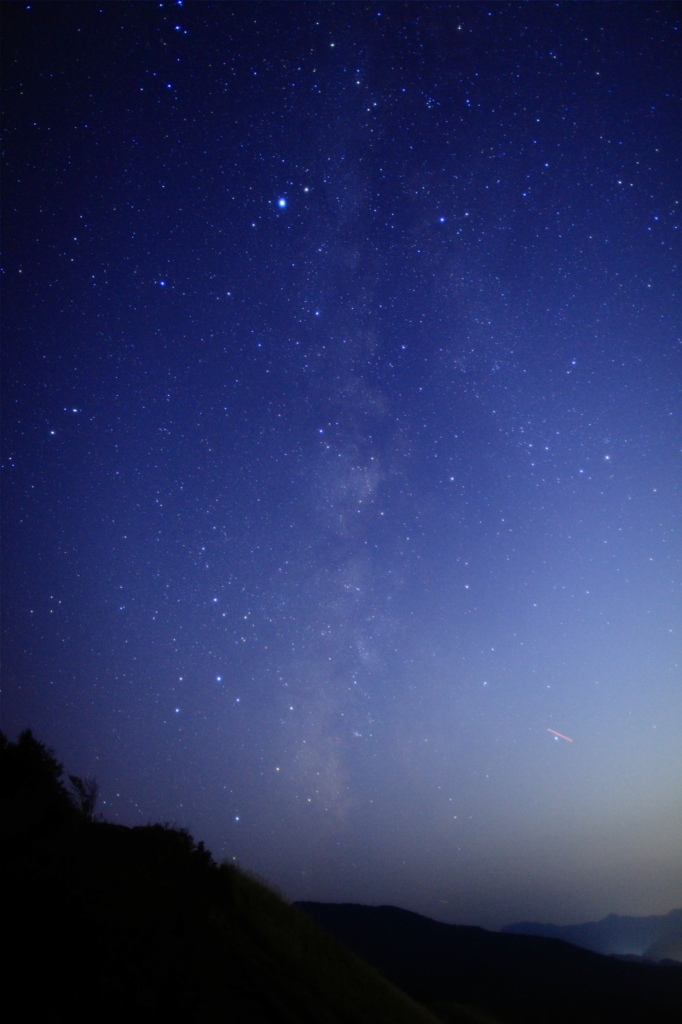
[341, 412]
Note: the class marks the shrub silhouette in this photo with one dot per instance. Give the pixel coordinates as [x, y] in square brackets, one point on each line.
[85, 792]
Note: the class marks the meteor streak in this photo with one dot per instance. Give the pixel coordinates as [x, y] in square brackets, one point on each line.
[561, 735]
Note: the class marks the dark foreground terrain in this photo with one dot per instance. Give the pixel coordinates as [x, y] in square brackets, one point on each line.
[512, 977]
[106, 923]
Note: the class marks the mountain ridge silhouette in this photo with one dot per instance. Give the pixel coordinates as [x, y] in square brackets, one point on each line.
[521, 978]
[655, 936]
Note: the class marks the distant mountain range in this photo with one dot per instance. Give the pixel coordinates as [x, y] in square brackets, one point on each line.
[658, 937]
[507, 977]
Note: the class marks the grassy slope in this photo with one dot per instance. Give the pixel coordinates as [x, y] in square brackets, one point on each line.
[133, 922]
[107, 923]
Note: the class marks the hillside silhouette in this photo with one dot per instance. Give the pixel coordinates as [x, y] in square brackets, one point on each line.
[108, 923]
[103, 923]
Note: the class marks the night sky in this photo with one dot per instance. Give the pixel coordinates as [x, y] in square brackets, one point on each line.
[342, 385]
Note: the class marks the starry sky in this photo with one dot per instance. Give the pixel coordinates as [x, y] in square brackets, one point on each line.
[341, 439]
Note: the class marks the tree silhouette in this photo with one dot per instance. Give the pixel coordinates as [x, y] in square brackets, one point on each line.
[27, 764]
[32, 791]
